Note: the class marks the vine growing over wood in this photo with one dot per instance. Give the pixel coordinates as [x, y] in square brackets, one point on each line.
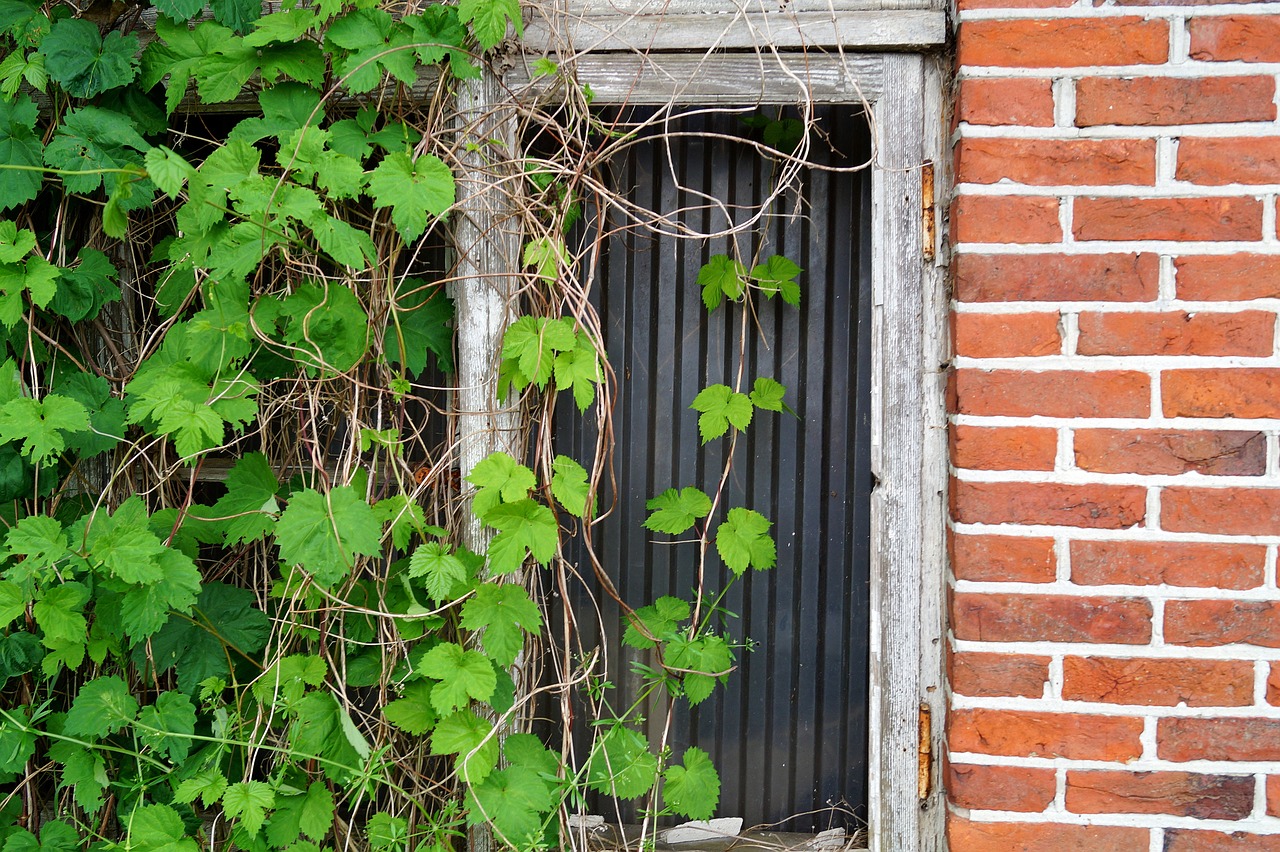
[234, 605]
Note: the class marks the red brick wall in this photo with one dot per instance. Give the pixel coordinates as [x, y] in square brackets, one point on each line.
[1115, 619]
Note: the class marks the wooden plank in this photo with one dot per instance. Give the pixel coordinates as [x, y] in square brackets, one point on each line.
[741, 30]
[714, 80]
[898, 417]
[604, 8]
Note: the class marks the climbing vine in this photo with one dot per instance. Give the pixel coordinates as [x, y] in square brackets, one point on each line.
[236, 610]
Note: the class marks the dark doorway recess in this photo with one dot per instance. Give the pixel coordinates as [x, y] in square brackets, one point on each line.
[789, 731]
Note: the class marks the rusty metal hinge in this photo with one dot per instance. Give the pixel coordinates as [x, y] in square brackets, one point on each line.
[924, 777]
[928, 214]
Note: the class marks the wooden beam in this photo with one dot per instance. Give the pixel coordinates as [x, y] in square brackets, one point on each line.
[741, 30]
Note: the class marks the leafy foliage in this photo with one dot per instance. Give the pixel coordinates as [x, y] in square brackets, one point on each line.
[222, 591]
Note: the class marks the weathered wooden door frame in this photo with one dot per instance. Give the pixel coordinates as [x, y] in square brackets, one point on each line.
[904, 94]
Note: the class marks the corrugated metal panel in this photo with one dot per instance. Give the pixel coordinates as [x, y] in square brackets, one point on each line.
[789, 732]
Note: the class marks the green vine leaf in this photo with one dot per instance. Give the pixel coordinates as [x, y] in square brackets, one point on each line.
[60, 615]
[777, 276]
[412, 189]
[413, 712]
[286, 680]
[693, 789]
[743, 541]
[514, 801]
[720, 407]
[767, 395]
[225, 625]
[84, 771]
[42, 426]
[500, 479]
[621, 764]
[504, 613]
[489, 18]
[19, 146]
[442, 569]
[82, 292]
[310, 813]
[463, 675]
[158, 828]
[55, 836]
[13, 602]
[102, 707]
[702, 662]
[22, 67]
[325, 533]
[41, 543]
[473, 741]
[180, 10]
[207, 785]
[570, 485]
[579, 368]
[249, 507]
[323, 729]
[422, 323]
[527, 528]
[373, 42]
[675, 511]
[17, 741]
[85, 64]
[529, 348]
[95, 147]
[249, 802]
[15, 244]
[387, 833]
[172, 721]
[722, 277]
[439, 35]
[167, 170]
[237, 14]
[659, 619]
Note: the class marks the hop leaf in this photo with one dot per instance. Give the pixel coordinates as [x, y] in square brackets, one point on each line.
[777, 275]
[158, 828]
[514, 801]
[676, 511]
[463, 675]
[413, 713]
[85, 64]
[570, 486]
[472, 740]
[172, 720]
[102, 706]
[167, 170]
[767, 394]
[721, 406]
[488, 19]
[704, 660]
[412, 189]
[15, 244]
[248, 801]
[324, 534]
[504, 613]
[743, 540]
[43, 427]
[692, 789]
[250, 501]
[721, 277]
[19, 146]
[442, 569]
[526, 528]
[658, 618]
[621, 764]
[501, 479]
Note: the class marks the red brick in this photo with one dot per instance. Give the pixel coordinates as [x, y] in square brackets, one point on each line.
[1019, 101]
[1248, 333]
[1273, 694]
[1252, 38]
[1014, 448]
[1007, 335]
[1218, 739]
[1177, 563]
[1167, 219]
[1231, 277]
[1053, 393]
[1170, 451]
[1158, 683]
[1225, 511]
[1056, 277]
[1065, 42]
[1026, 734]
[966, 836]
[1222, 622]
[1176, 793]
[1003, 558]
[998, 675]
[1000, 788]
[1005, 219]
[1189, 840]
[1112, 507]
[1273, 795]
[1050, 618]
[1216, 162]
[1239, 392]
[1055, 162]
[1173, 100]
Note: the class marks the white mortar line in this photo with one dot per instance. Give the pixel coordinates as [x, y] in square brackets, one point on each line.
[1220, 653]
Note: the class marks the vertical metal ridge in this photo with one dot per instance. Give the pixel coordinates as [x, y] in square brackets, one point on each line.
[789, 730]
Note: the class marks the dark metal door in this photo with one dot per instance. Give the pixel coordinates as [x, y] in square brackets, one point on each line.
[789, 731]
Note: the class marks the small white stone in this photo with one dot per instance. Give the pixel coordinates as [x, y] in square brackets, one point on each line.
[703, 830]
[588, 821]
[832, 838]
